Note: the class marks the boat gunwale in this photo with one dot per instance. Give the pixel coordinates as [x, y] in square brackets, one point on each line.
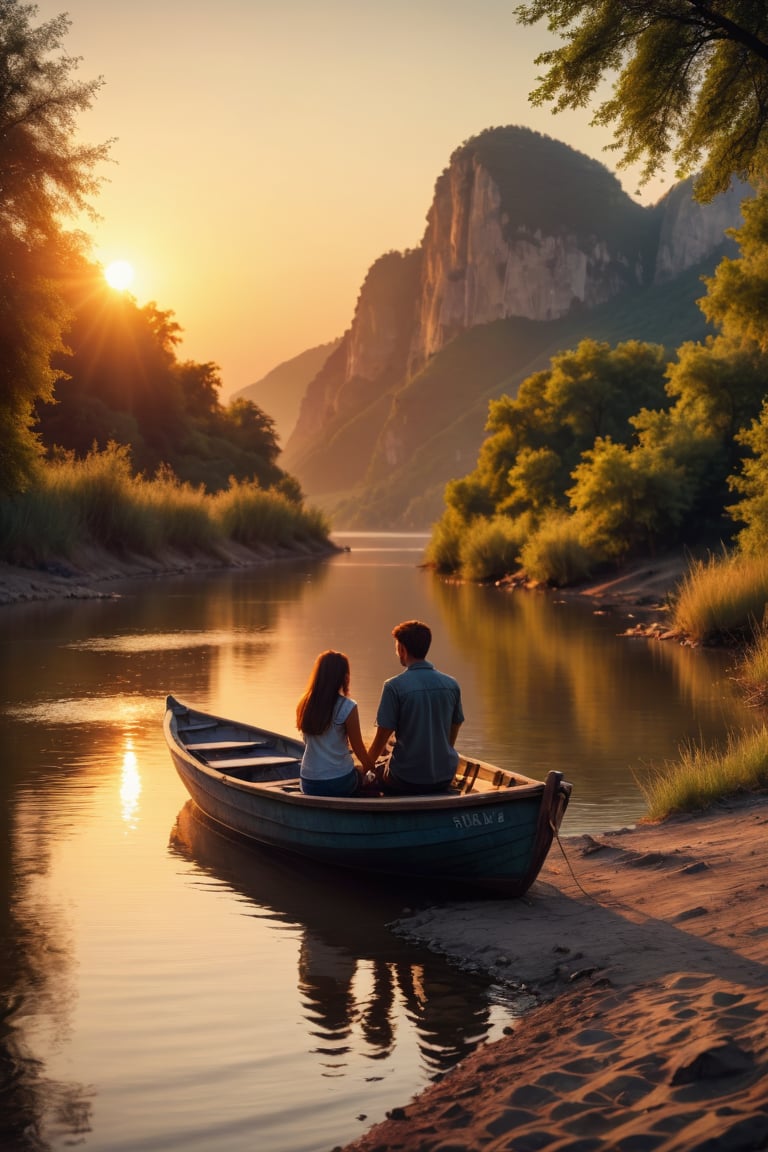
[276, 789]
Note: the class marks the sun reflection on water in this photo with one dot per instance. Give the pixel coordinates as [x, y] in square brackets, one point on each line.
[130, 785]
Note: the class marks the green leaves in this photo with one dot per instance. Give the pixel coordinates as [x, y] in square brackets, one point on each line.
[689, 80]
[44, 175]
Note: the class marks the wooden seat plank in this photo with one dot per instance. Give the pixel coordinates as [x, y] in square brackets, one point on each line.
[254, 762]
[227, 745]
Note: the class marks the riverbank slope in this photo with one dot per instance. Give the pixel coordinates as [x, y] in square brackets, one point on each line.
[640, 589]
[648, 950]
[89, 576]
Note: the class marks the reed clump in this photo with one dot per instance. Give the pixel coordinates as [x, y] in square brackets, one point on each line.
[753, 670]
[722, 597]
[101, 495]
[177, 515]
[703, 776]
[253, 517]
[99, 502]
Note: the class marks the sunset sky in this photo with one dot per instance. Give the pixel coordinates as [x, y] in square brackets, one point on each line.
[268, 151]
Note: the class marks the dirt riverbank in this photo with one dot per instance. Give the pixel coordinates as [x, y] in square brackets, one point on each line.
[93, 573]
[638, 591]
[648, 949]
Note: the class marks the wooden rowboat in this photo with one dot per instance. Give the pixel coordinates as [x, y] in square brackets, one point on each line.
[492, 829]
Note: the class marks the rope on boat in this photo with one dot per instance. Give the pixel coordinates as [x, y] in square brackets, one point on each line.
[577, 882]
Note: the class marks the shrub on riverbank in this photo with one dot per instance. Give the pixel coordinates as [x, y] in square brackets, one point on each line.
[702, 776]
[480, 548]
[555, 554]
[722, 597]
[489, 548]
[443, 551]
[100, 502]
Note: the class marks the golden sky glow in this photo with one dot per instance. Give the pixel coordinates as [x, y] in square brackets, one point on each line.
[268, 151]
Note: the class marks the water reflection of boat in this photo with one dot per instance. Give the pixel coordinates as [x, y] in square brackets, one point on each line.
[352, 971]
[492, 829]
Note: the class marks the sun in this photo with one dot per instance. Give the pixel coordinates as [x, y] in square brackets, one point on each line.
[119, 275]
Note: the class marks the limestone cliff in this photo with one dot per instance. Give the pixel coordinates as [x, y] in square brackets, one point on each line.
[509, 235]
[689, 230]
[333, 441]
[522, 231]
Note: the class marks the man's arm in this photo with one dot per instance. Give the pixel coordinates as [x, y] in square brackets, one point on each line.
[453, 734]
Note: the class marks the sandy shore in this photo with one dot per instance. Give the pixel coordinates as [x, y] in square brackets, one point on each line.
[648, 951]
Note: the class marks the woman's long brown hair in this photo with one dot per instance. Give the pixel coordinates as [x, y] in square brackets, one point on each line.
[330, 676]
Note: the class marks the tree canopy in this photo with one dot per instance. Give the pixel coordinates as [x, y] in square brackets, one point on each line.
[537, 437]
[81, 366]
[121, 382]
[690, 80]
[586, 454]
[45, 175]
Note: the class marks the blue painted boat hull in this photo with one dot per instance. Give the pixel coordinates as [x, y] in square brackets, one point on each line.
[494, 836]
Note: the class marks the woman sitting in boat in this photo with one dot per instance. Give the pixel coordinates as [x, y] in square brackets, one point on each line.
[328, 719]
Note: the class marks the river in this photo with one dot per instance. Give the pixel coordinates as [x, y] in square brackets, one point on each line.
[164, 988]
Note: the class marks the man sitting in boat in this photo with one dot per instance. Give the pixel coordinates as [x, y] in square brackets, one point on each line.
[421, 707]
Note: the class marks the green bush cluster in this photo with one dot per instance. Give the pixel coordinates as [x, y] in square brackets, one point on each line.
[490, 547]
[556, 553]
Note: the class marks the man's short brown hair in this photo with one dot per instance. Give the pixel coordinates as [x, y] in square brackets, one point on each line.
[415, 637]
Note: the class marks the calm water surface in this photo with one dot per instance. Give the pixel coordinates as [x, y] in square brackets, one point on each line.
[164, 988]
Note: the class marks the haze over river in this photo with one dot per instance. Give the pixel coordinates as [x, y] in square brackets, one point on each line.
[162, 987]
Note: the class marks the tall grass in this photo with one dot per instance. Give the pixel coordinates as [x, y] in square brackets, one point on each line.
[178, 515]
[753, 670]
[701, 776]
[100, 502]
[254, 517]
[102, 495]
[36, 526]
[723, 596]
